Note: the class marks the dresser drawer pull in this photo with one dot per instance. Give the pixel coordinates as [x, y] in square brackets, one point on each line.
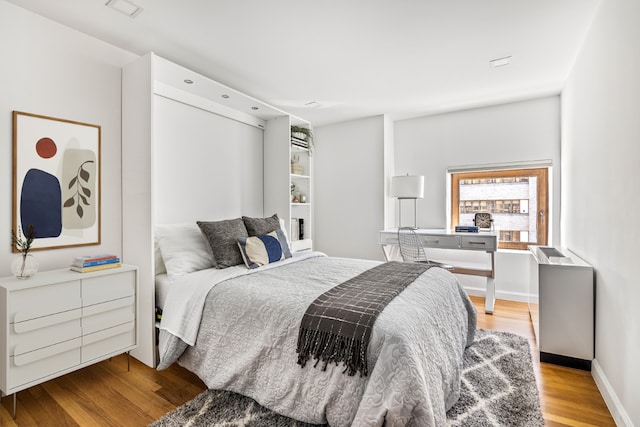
[22, 326]
[108, 333]
[91, 310]
[432, 242]
[477, 243]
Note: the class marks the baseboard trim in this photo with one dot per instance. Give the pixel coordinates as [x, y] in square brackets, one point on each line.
[476, 292]
[618, 412]
[509, 296]
[512, 296]
[571, 362]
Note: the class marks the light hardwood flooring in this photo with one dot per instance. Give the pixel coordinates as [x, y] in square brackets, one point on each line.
[106, 394]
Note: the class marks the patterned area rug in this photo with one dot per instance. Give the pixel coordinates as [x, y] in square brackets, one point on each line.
[498, 389]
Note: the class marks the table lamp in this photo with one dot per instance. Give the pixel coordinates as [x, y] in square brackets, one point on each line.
[407, 187]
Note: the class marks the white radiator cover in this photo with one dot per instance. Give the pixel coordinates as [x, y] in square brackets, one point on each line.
[562, 306]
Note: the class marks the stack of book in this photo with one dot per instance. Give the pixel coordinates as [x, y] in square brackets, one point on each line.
[299, 142]
[297, 229]
[84, 264]
[466, 229]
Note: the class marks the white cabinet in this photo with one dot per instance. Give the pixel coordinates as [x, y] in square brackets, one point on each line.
[60, 321]
[562, 307]
[288, 183]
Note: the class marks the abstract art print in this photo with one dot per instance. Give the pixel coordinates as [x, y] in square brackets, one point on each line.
[56, 181]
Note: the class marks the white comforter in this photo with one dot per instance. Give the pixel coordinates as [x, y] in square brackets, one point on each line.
[247, 336]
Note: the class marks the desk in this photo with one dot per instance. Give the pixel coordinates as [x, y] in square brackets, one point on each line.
[447, 239]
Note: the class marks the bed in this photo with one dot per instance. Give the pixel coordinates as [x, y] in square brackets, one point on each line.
[237, 329]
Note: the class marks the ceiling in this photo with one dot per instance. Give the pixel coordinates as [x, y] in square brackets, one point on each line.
[354, 58]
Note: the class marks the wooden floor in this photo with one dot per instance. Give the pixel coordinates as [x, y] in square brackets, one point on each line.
[568, 397]
[106, 394]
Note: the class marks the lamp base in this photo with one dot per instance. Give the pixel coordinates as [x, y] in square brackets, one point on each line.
[415, 215]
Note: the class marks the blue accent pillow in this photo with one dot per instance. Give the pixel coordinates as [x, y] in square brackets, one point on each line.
[264, 249]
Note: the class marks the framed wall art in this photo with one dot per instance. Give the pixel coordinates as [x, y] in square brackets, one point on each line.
[56, 181]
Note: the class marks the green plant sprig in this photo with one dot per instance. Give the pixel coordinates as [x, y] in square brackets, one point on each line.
[306, 131]
[23, 243]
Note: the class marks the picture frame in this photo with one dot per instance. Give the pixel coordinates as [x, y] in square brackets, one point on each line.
[56, 181]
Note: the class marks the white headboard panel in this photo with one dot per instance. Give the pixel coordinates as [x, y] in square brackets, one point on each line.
[206, 167]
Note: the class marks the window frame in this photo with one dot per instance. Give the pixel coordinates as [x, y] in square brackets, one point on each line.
[542, 216]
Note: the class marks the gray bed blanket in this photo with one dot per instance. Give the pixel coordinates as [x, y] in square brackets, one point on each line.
[247, 340]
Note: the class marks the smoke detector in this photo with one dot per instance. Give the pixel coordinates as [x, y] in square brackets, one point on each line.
[125, 6]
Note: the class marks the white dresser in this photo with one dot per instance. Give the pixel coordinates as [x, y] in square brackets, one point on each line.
[60, 321]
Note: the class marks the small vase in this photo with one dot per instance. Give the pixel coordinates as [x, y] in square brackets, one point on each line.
[24, 266]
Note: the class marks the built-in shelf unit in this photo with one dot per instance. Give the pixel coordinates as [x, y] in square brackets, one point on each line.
[280, 156]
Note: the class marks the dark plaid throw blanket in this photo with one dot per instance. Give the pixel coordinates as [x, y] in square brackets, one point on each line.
[337, 325]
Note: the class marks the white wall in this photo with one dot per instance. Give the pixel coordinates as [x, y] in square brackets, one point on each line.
[51, 70]
[524, 131]
[349, 187]
[600, 183]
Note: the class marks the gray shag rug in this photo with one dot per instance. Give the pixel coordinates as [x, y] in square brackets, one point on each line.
[498, 389]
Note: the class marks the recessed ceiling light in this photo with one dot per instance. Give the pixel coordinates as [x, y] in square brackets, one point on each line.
[225, 96]
[188, 81]
[125, 6]
[501, 62]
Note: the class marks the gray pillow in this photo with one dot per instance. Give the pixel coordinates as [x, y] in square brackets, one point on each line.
[260, 226]
[223, 240]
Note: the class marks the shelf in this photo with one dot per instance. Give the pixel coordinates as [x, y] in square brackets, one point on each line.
[300, 143]
[301, 245]
[297, 148]
[301, 204]
[296, 176]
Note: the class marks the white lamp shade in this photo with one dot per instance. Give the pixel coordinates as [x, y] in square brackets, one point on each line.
[407, 187]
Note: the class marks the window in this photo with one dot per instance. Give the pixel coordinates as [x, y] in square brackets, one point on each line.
[517, 200]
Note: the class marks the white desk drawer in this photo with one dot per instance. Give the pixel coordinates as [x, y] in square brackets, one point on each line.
[444, 242]
[388, 238]
[109, 287]
[485, 243]
[432, 241]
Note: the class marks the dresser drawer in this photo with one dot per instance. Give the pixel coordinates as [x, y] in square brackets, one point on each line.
[42, 363]
[25, 337]
[108, 287]
[108, 314]
[114, 340]
[41, 301]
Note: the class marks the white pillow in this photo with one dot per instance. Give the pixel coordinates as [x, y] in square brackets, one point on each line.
[184, 249]
[159, 267]
[284, 230]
